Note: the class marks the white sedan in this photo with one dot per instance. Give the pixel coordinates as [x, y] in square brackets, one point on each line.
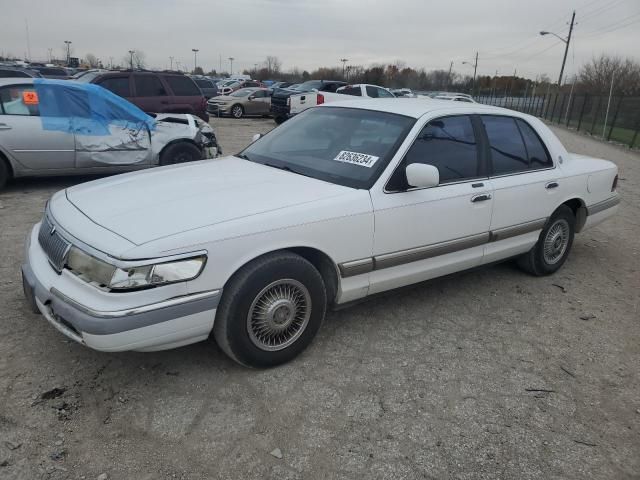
[340, 203]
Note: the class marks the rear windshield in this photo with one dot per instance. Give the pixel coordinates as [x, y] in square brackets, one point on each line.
[182, 86]
[346, 146]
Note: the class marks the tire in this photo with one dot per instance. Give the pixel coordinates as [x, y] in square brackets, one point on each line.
[180, 153]
[237, 111]
[557, 238]
[280, 120]
[5, 173]
[269, 296]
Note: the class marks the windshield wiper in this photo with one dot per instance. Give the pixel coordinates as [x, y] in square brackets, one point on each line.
[286, 169]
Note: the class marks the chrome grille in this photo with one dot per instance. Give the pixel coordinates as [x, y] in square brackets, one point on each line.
[54, 246]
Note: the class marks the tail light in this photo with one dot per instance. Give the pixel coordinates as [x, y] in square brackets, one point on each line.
[320, 99]
[614, 185]
[203, 103]
[288, 101]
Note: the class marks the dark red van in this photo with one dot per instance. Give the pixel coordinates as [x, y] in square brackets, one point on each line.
[154, 92]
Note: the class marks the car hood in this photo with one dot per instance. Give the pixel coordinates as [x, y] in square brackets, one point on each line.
[148, 205]
[224, 98]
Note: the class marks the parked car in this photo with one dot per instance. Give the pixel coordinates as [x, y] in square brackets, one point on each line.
[17, 72]
[161, 92]
[208, 87]
[281, 98]
[246, 101]
[456, 98]
[62, 128]
[344, 201]
[52, 72]
[280, 85]
[233, 85]
[94, 72]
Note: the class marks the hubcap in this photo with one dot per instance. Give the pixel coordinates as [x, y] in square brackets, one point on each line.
[237, 112]
[279, 315]
[556, 241]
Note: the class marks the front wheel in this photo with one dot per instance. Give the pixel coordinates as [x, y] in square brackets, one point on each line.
[279, 119]
[237, 111]
[180, 153]
[271, 310]
[553, 246]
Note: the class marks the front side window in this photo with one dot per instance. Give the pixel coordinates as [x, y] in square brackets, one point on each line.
[372, 91]
[243, 92]
[182, 86]
[508, 152]
[447, 143]
[383, 93]
[346, 146]
[118, 85]
[148, 86]
[16, 100]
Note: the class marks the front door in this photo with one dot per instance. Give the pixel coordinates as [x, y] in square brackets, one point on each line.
[25, 137]
[429, 232]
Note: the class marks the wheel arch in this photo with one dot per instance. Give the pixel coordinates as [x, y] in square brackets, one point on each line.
[5, 159]
[320, 260]
[579, 209]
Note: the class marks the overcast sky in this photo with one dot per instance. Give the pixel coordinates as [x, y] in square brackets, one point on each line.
[312, 33]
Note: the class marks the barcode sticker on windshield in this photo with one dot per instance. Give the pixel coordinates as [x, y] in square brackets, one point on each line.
[362, 159]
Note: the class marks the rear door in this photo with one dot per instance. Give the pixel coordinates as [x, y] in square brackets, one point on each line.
[23, 137]
[151, 95]
[527, 185]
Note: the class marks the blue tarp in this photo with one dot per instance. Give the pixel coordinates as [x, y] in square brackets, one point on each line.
[85, 109]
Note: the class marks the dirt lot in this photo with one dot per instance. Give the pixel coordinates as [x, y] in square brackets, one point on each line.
[489, 374]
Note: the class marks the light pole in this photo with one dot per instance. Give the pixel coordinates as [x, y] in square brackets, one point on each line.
[171, 63]
[50, 55]
[449, 75]
[195, 59]
[475, 69]
[566, 43]
[231, 59]
[68, 42]
[344, 64]
[131, 52]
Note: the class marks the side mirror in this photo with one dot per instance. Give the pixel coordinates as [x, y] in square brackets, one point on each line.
[421, 175]
[251, 97]
[257, 136]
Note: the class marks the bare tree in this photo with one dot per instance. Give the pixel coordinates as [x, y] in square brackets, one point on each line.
[135, 60]
[273, 65]
[92, 60]
[596, 76]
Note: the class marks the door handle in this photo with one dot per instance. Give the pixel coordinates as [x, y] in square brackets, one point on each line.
[551, 185]
[481, 198]
[4, 126]
[477, 185]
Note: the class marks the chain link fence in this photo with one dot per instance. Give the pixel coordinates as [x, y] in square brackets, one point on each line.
[613, 119]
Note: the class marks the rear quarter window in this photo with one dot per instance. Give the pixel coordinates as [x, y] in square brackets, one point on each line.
[182, 86]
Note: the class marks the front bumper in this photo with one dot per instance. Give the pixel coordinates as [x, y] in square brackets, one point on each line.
[218, 109]
[144, 322]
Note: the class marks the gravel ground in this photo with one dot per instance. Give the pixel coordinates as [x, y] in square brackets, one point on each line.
[488, 374]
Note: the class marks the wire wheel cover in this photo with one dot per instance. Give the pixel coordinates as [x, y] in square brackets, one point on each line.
[279, 314]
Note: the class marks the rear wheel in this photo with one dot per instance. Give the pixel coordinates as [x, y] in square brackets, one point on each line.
[271, 310]
[237, 111]
[553, 246]
[180, 153]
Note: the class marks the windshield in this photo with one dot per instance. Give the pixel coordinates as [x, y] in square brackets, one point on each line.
[346, 146]
[242, 92]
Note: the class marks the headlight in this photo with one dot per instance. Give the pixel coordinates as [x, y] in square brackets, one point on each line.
[92, 269]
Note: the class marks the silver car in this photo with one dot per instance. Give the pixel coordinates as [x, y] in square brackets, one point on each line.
[89, 131]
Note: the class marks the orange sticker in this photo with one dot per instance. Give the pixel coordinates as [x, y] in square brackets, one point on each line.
[30, 97]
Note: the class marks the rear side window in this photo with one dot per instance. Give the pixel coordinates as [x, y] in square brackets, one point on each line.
[118, 85]
[508, 152]
[15, 100]
[182, 86]
[538, 154]
[148, 86]
[447, 143]
[13, 73]
[204, 83]
[382, 93]
[355, 91]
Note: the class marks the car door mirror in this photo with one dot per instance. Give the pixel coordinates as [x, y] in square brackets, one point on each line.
[421, 175]
[251, 97]
[257, 136]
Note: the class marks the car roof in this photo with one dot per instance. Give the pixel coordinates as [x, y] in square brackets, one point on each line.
[416, 107]
[16, 81]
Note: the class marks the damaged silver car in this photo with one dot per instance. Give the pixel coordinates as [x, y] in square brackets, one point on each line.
[57, 127]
